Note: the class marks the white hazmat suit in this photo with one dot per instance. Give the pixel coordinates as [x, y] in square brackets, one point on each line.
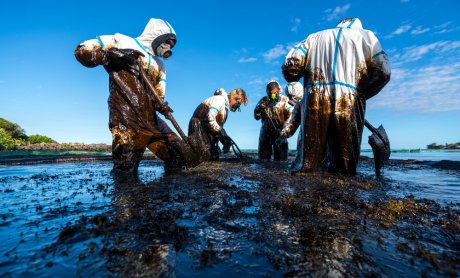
[342, 68]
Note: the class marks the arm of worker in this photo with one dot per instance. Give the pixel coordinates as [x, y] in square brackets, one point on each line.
[260, 110]
[293, 123]
[104, 51]
[217, 104]
[379, 71]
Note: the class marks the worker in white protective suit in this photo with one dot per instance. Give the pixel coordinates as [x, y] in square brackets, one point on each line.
[342, 68]
[294, 91]
[207, 123]
[133, 122]
[274, 111]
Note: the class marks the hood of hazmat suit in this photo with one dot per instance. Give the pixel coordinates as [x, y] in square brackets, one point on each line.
[133, 119]
[342, 68]
[294, 90]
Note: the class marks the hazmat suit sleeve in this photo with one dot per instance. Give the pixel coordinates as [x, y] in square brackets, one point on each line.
[259, 111]
[93, 52]
[294, 121]
[294, 63]
[288, 109]
[217, 104]
[378, 71]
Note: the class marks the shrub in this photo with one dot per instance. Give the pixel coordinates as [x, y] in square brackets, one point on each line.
[36, 139]
[6, 141]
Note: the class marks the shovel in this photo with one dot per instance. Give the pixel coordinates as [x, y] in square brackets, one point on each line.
[234, 146]
[158, 100]
[380, 146]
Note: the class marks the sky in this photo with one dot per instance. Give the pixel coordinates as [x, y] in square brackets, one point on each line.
[225, 44]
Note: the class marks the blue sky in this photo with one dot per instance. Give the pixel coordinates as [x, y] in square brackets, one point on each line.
[230, 44]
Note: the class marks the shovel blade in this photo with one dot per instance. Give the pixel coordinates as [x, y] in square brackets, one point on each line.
[380, 147]
[382, 134]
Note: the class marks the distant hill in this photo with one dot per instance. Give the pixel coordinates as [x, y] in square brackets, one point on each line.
[434, 146]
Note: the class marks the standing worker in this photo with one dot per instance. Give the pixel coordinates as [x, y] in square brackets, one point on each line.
[342, 68]
[294, 91]
[207, 123]
[274, 111]
[133, 121]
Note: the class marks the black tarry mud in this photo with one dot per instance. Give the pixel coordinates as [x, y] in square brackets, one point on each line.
[234, 217]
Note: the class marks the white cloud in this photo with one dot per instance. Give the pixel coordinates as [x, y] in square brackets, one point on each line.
[333, 14]
[425, 89]
[419, 30]
[432, 87]
[256, 81]
[415, 53]
[445, 27]
[247, 60]
[402, 29]
[447, 30]
[296, 22]
[274, 53]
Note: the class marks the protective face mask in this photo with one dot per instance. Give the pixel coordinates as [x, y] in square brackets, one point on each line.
[164, 51]
[275, 97]
[235, 107]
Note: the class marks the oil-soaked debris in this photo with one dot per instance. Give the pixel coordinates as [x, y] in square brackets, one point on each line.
[233, 217]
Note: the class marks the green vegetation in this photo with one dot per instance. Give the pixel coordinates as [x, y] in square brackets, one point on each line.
[14, 130]
[6, 141]
[36, 139]
[434, 146]
[12, 135]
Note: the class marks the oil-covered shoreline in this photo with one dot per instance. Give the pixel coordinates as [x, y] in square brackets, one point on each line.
[234, 217]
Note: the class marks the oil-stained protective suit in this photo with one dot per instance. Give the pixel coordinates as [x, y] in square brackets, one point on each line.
[207, 125]
[342, 68]
[294, 91]
[273, 114]
[133, 121]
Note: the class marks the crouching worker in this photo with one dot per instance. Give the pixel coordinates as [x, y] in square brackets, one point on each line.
[207, 122]
[274, 111]
[133, 120]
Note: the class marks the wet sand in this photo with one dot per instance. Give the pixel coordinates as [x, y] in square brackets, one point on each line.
[230, 218]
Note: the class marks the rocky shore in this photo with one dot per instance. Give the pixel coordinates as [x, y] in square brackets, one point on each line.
[434, 146]
[63, 147]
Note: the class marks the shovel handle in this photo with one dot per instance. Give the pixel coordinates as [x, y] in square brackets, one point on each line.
[168, 114]
[370, 127]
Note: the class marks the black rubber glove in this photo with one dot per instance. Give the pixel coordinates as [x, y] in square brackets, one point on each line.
[281, 140]
[163, 108]
[226, 142]
[122, 57]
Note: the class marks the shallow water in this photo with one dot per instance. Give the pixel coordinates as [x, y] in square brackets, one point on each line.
[426, 155]
[228, 219]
